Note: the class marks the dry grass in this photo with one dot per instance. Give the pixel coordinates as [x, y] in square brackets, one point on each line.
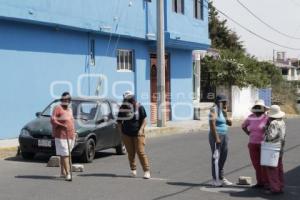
[8, 152]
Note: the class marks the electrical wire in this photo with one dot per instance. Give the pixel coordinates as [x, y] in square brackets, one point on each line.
[253, 33]
[265, 23]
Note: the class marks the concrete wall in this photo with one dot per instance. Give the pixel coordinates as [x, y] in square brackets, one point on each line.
[243, 100]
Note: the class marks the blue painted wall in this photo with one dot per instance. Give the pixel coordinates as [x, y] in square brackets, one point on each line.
[185, 26]
[266, 95]
[48, 40]
[181, 84]
[112, 16]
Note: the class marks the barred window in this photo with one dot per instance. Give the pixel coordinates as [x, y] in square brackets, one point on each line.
[124, 60]
[92, 52]
[178, 6]
[198, 9]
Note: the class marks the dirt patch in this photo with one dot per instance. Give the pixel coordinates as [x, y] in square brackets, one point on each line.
[8, 152]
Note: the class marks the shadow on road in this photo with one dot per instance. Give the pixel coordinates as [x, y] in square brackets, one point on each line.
[37, 177]
[39, 158]
[43, 158]
[292, 189]
[104, 175]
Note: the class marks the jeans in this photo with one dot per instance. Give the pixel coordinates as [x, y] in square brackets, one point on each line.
[223, 151]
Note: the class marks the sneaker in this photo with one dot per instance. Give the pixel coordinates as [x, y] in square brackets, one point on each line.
[68, 177]
[226, 182]
[147, 175]
[133, 173]
[216, 183]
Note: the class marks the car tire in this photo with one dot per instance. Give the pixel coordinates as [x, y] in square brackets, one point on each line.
[120, 149]
[27, 155]
[89, 151]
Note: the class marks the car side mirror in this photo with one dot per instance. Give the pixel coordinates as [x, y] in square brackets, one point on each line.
[103, 119]
[38, 114]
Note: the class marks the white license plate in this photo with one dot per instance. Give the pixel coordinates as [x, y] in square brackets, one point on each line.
[44, 143]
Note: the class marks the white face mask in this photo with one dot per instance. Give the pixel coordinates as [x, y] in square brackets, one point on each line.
[66, 104]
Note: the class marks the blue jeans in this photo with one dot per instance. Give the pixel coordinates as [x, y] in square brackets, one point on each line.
[223, 151]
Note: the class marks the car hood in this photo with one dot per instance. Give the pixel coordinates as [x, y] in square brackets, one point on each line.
[42, 126]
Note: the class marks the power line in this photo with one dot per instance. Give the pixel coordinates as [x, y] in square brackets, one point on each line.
[253, 33]
[265, 23]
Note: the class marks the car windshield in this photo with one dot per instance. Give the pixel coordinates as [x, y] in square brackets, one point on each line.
[84, 110]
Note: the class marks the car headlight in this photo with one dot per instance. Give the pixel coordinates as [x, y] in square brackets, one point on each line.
[25, 133]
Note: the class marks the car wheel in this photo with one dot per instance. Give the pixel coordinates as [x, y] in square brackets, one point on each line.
[27, 155]
[89, 152]
[120, 149]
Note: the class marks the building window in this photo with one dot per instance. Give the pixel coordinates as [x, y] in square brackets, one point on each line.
[124, 60]
[178, 6]
[92, 52]
[285, 71]
[198, 9]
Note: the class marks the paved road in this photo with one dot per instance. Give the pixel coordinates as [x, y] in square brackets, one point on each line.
[180, 167]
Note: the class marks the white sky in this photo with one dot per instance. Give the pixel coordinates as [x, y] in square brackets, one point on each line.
[284, 15]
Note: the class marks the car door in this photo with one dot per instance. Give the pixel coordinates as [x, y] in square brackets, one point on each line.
[105, 127]
[115, 111]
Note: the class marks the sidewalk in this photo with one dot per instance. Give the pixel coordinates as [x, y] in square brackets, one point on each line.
[9, 143]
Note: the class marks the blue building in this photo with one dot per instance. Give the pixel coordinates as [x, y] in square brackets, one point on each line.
[49, 46]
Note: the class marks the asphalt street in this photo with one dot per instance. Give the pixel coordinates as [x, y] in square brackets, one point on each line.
[180, 170]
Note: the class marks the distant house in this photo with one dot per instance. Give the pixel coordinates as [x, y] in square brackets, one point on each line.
[289, 70]
[49, 46]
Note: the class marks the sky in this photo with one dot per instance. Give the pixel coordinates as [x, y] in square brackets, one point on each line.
[282, 15]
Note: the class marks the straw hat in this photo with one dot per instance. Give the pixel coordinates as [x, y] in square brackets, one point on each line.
[261, 103]
[275, 112]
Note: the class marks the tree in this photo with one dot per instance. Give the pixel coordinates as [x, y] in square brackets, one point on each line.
[235, 66]
[221, 36]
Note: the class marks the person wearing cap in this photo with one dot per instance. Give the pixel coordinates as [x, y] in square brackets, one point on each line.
[218, 139]
[131, 123]
[254, 126]
[63, 129]
[275, 133]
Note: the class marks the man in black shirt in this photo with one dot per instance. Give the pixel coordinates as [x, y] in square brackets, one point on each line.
[131, 123]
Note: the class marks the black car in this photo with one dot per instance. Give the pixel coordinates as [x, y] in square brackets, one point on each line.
[95, 124]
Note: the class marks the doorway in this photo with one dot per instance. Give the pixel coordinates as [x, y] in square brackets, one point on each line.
[153, 85]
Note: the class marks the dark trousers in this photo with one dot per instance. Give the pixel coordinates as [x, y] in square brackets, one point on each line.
[260, 171]
[223, 151]
[275, 177]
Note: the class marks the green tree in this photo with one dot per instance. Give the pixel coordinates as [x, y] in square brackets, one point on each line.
[221, 36]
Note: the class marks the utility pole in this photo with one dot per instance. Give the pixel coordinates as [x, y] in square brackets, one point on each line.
[161, 95]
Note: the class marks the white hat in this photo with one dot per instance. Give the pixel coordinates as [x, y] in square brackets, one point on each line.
[259, 102]
[275, 112]
[128, 95]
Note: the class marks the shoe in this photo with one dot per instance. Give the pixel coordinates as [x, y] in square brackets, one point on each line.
[226, 182]
[216, 183]
[68, 177]
[257, 186]
[133, 173]
[147, 175]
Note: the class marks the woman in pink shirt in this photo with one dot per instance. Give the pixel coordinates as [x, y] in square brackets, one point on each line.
[63, 131]
[254, 126]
